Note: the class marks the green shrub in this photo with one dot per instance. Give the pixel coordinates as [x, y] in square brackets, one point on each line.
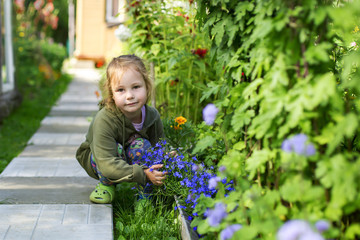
[291, 70]
[37, 62]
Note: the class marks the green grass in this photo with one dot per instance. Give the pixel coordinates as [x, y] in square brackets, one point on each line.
[17, 129]
[158, 220]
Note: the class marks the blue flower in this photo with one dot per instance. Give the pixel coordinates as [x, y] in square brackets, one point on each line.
[213, 182]
[216, 215]
[222, 168]
[322, 225]
[209, 113]
[195, 167]
[228, 232]
[299, 145]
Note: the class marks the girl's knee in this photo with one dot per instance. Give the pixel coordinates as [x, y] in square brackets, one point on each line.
[137, 149]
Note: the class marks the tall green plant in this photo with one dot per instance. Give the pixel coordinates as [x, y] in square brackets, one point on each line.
[287, 68]
[168, 37]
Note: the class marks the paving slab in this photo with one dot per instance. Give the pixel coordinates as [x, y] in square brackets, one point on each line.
[44, 167]
[58, 128]
[65, 151]
[76, 98]
[72, 113]
[61, 120]
[76, 107]
[61, 124]
[40, 138]
[46, 190]
[55, 221]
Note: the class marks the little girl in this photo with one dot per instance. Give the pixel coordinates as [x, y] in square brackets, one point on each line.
[122, 130]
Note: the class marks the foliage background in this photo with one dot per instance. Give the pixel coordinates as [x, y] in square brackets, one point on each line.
[274, 69]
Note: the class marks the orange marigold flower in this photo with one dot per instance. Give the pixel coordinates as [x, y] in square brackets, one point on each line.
[180, 120]
[177, 127]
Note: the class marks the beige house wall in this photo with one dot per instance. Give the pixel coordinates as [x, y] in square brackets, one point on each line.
[94, 39]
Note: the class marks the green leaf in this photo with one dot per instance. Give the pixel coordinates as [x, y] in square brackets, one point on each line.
[318, 53]
[352, 231]
[346, 127]
[171, 63]
[241, 118]
[204, 143]
[239, 145]
[212, 89]
[234, 162]
[246, 232]
[257, 161]
[201, 65]
[294, 188]
[155, 49]
[231, 30]
[119, 226]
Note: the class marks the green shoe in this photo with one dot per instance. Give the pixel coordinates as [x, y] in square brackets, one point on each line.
[103, 194]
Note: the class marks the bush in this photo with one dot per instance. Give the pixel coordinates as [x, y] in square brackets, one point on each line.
[37, 62]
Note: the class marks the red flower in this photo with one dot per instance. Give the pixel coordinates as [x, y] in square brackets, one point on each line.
[201, 52]
[174, 82]
[99, 63]
[135, 3]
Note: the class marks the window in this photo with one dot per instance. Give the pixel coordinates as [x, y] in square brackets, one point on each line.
[115, 12]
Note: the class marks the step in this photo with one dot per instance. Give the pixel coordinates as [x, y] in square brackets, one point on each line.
[56, 221]
[60, 128]
[44, 167]
[65, 151]
[60, 124]
[83, 113]
[46, 190]
[40, 138]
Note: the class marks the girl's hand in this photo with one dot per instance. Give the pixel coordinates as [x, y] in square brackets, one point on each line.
[155, 176]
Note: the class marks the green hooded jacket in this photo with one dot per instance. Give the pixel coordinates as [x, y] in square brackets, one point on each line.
[105, 131]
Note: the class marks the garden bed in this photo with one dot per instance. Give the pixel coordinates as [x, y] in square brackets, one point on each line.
[187, 232]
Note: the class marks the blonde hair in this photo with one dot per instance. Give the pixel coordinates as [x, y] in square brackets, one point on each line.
[116, 69]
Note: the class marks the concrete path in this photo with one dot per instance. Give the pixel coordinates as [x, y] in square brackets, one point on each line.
[44, 192]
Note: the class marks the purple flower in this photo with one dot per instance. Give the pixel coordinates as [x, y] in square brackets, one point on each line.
[209, 113]
[222, 168]
[311, 236]
[213, 182]
[310, 150]
[293, 230]
[299, 145]
[322, 225]
[286, 146]
[228, 232]
[216, 215]
[195, 167]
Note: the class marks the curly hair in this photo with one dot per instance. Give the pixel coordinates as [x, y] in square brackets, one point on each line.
[116, 69]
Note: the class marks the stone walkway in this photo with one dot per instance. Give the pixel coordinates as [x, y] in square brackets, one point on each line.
[44, 192]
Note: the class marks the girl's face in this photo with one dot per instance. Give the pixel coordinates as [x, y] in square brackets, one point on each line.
[130, 94]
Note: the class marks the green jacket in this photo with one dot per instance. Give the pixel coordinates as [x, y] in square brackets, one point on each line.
[105, 131]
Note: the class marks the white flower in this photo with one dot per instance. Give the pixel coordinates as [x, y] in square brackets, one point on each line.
[353, 44]
[123, 33]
